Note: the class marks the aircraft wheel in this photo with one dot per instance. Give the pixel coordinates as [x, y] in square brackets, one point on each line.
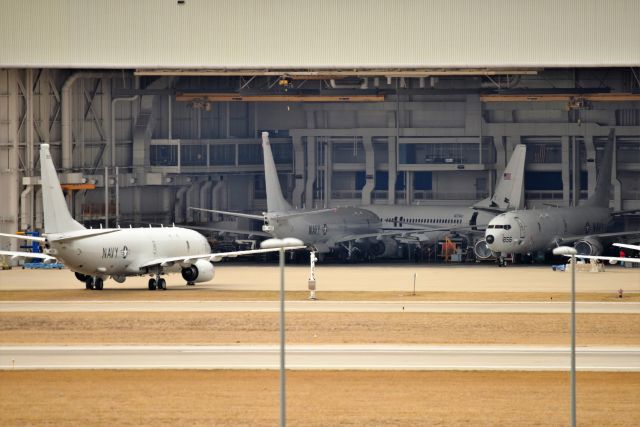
[191, 284]
[162, 284]
[152, 284]
[88, 282]
[99, 284]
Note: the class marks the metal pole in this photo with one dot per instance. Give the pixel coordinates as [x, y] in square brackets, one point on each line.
[573, 340]
[282, 370]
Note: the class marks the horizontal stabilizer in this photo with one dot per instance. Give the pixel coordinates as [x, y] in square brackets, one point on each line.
[23, 237]
[25, 255]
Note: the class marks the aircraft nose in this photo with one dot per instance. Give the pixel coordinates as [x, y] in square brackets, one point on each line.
[490, 239]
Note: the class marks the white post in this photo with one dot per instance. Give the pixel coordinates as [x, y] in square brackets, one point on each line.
[312, 276]
[106, 197]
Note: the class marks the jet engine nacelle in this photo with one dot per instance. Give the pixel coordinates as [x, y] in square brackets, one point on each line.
[588, 246]
[385, 247]
[482, 251]
[200, 271]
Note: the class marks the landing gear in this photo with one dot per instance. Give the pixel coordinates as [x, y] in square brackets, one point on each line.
[96, 283]
[191, 284]
[158, 283]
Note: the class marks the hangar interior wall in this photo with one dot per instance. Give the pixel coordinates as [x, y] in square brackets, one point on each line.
[428, 148]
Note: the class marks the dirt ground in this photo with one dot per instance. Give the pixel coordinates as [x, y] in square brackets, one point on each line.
[362, 277]
[318, 398]
[316, 328]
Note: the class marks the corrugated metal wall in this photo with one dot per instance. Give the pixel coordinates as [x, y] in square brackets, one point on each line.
[318, 33]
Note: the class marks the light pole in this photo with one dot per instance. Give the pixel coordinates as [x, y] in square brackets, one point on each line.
[569, 251]
[282, 244]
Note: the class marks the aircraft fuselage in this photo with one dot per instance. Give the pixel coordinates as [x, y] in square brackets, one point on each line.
[527, 231]
[321, 229]
[122, 252]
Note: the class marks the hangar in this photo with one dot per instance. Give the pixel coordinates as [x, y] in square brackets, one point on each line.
[154, 106]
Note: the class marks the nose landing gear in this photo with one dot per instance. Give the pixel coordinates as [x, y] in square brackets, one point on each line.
[96, 283]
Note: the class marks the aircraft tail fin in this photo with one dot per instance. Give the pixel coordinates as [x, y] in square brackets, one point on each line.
[57, 218]
[275, 200]
[602, 194]
[509, 192]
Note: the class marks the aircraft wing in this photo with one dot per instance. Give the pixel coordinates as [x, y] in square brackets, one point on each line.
[626, 246]
[23, 237]
[229, 231]
[18, 255]
[570, 239]
[608, 258]
[190, 259]
[422, 230]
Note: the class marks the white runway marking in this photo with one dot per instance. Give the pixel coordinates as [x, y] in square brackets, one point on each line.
[320, 306]
[319, 357]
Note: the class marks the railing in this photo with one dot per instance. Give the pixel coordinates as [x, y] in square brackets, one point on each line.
[449, 195]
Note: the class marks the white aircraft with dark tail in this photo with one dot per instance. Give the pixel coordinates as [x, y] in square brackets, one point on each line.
[540, 230]
[97, 254]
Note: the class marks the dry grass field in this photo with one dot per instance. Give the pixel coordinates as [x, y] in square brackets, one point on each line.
[316, 328]
[318, 398]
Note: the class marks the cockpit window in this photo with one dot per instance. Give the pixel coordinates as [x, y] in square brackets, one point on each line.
[507, 227]
[490, 226]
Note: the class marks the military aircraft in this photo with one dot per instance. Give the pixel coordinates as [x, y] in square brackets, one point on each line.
[322, 229]
[535, 230]
[96, 254]
[433, 223]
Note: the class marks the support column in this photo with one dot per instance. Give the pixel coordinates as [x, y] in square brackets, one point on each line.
[12, 177]
[617, 185]
[370, 170]
[298, 169]
[575, 172]
[565, 171]
[591, 165]
[311, 171]
[393, 169]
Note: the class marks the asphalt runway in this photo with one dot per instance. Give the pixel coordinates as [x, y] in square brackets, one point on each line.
[318, 357]
[360, 277]
[320, 306]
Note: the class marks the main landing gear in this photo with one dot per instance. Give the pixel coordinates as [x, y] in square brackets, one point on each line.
[96, 283]
[157, 283]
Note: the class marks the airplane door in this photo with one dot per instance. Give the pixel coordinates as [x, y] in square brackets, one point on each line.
[521, 226]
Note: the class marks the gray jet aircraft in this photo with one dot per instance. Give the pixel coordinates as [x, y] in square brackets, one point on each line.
[535, 230]
[322, 229]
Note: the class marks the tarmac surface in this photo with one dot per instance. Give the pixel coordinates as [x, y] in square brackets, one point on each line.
[321, 306]
[361, 277]
[321, 357]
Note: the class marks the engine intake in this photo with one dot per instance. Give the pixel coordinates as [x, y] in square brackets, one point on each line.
[200, 271]
[588, 246]
[481, 249]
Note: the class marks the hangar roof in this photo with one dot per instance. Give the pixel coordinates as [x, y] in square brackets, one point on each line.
[319, 34]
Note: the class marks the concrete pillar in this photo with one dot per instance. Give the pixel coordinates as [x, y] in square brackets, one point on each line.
[219, 195]
[617, 185]
[298, 169]
[575, 172]
[591, 163]
[311, 171]
[565, 170]
[393, 169]
[370, 170]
